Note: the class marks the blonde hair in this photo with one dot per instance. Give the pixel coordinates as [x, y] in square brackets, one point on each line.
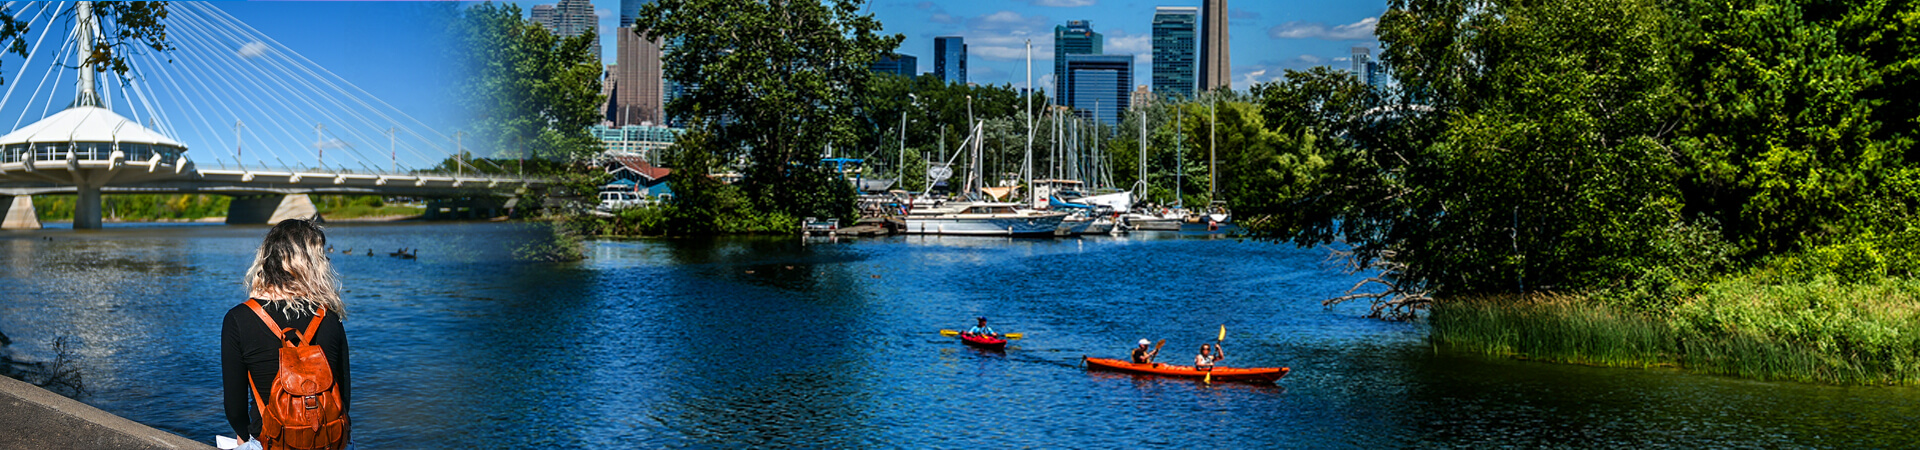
[291, 270]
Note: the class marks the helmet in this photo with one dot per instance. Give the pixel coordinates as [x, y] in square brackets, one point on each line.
[1144, 342]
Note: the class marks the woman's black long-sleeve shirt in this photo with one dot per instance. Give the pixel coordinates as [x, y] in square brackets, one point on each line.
[247, 347]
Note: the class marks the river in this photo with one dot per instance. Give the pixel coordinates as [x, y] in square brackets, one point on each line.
[748, 342]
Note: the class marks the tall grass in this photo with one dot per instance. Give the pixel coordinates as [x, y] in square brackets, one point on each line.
[1819, 331]
[1550, 327]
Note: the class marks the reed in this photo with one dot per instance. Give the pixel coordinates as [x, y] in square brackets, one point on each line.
[1552, 327]
[1820, 331]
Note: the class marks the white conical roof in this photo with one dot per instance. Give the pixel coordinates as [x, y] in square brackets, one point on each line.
[87, 124]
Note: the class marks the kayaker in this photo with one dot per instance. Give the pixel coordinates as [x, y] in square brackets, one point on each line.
[1144, 355]
[982, 329]
[1206, 358]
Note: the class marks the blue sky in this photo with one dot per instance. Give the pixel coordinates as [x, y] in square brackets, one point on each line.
[1267, 36]
[397, 53]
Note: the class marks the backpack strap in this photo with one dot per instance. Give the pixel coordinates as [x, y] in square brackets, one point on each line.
[272, 326]
[307, 338]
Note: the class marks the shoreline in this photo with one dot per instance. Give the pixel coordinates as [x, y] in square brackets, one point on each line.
[223, 219]
[1816, 332]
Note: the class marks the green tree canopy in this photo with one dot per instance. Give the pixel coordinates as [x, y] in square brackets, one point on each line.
[534, 94]
[775, 82]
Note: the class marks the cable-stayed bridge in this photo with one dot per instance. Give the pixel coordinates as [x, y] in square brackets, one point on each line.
[230, 111]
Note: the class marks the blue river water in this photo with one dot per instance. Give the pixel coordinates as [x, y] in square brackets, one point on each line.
[753, 342]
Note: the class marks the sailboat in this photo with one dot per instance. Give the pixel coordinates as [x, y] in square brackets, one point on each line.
[981, 218]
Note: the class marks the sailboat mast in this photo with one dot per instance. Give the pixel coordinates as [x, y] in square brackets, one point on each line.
[1212, 118]
[1143, 153]
[1179, 157]
[1027, 166]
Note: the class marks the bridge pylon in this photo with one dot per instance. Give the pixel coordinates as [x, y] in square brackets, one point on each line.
[88, 146]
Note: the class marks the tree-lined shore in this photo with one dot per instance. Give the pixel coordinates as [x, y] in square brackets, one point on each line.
[1721, 186]
[1727, 187]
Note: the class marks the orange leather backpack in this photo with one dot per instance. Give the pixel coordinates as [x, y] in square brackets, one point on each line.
[305, 412]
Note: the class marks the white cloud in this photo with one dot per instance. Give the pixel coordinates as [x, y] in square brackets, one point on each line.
[1003, 35]
[1062, 3]
[1119, 42]
[1251, 78]
[1007, 21]
[253, 49]
[1342, 59]
[1310, 59]
[1314, 30]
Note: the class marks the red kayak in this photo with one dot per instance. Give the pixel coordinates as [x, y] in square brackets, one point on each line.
[984, 341]
[1220, 373]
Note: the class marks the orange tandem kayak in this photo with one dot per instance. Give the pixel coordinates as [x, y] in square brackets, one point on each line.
[1221, 373]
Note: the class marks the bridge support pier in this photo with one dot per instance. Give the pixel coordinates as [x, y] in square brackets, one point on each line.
[86, 209]
[18, 213]
[270, 209]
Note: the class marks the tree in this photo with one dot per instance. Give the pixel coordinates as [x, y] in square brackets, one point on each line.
[1803, 119]
[534, 94]
[124, 25]
[776, 81]
[1539, 160]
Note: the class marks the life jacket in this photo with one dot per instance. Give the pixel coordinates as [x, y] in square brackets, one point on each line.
[305, 412]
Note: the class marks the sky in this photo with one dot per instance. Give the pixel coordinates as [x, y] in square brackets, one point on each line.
[1267, 36]
[397, 52]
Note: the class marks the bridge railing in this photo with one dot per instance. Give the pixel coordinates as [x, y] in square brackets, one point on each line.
[86, 151]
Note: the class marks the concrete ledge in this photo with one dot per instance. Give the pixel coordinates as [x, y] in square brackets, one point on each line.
[36, 418]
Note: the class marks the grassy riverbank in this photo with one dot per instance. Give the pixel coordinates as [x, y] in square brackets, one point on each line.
[1818, 331]
[192, 207]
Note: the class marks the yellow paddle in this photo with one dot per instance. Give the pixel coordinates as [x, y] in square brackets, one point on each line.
[1216, 343]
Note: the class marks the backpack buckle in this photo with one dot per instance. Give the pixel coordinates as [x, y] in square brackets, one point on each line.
[313, 401]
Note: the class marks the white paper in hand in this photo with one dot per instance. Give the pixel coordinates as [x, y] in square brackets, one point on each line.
[225, 443]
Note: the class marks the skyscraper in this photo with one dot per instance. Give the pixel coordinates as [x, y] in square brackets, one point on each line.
[1074, 38]
[638, 90]
[1361, 55]
[568, 18]
[897, 64]
[950, 59]
[1366, 68]
[630, 10]
[1216, 66]
[1099, 86]
[1174, 49]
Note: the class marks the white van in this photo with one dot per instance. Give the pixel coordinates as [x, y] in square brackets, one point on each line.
[616, 200]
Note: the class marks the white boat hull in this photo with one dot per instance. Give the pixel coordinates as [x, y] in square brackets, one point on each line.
[1036, 225]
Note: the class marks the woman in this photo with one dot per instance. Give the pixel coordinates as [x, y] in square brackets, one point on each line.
[1205, 360]
[291, 281]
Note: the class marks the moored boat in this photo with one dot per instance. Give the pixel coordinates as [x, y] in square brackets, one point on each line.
[1220, 373]
[983, 219]
[985, 342]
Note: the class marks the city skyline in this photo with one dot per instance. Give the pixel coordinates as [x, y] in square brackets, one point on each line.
[1268, 36]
